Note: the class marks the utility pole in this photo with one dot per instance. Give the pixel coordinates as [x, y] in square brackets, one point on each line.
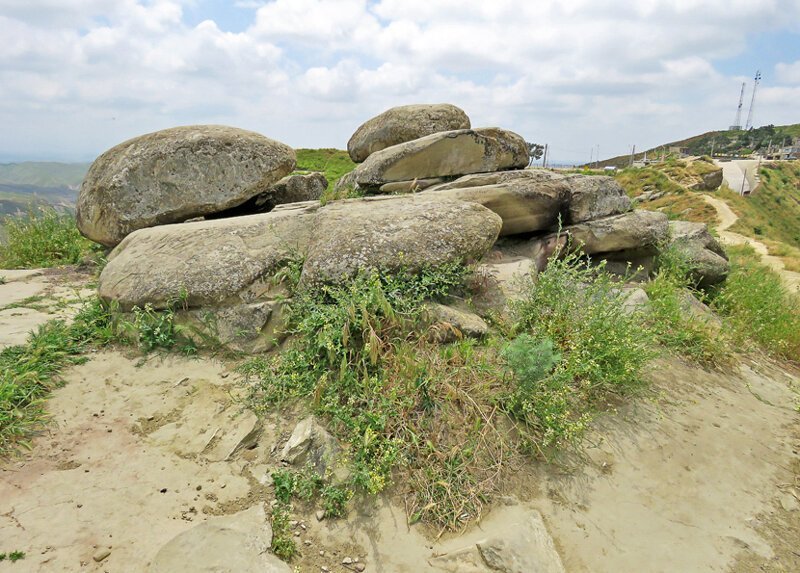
[591, 157]
[597, 160]
[544, 157]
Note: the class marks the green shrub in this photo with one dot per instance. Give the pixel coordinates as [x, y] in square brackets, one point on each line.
[576, 311]
[43, 238]
[669, 319]
[757, 305]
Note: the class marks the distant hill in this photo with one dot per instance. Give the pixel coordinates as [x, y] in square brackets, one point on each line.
[43, 174]
[731, 143]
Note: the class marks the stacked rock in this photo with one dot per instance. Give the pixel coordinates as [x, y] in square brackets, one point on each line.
[440, 190]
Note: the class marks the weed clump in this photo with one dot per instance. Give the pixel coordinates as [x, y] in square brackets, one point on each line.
[756, 304]
[582, 347]
[43, 238]
[671, 322]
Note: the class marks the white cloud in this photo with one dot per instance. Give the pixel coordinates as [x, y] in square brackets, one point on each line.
[788, 73]
[77, 76]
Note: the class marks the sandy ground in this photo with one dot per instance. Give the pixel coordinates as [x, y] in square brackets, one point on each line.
[701, 475]
[727, 218]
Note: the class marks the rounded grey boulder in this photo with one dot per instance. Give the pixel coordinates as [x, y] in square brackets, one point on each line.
[404, 123]
[176, 174]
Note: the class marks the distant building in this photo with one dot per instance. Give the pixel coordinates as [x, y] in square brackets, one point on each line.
[786, 153]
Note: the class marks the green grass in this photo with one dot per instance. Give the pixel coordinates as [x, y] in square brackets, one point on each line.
[757, 306]
[669, 320]
[602, 348]
[447, 420]
[42, 238]
[13, 556]
[30, 371]
[332, 162]
[678, 202]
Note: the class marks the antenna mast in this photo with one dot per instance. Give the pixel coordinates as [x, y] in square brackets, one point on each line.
[749, 123]
[737, 124]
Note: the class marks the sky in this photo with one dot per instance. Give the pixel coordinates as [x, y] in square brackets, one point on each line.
[79, 76]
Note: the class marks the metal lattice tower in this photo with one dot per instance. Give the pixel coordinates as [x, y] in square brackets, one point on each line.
[749, 123]
[737, 124]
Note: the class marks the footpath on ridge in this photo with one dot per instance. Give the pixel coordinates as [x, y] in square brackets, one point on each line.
[727, 218]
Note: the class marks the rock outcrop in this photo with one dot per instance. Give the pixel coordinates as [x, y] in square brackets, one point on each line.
[291, 189]
[594, 197]
[640, 230]
[176, 174]
[401, 124]
[231, 544]
[396, 234]
[707, 261]
[442, 195]
[445, 154]
[203, 264]
[526, 201]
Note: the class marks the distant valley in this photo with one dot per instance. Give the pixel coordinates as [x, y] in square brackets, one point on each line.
[31, 183]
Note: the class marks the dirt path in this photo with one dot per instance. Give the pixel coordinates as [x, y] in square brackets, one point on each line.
[727, 218]
[703, 476]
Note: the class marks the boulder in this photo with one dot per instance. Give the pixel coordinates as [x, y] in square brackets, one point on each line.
[290, 189]
[526, 547]
[237, 543]
[709, 181]
[176, 174]
[705, 257]
[395, 233]
[310, 443]
[593, 197]
[401, 124]
[525, 200]
[444, 154]
[220, 273]
[252, 328]
[204, 264]
[640, 230]
[451, 323]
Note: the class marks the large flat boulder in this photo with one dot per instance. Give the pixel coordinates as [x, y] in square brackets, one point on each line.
[237, 543]
[407, 233]
[203, 264]
[404, 123]
[642, 231]
[445, 154]
[223, 270]
[525, 200]
[705, 257]
[176, 174]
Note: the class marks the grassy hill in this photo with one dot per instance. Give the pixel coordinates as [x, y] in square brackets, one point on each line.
[333, 162]
[736, 143]
[43, 174]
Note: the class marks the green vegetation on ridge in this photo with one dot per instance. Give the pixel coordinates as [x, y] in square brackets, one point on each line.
[42, 238]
